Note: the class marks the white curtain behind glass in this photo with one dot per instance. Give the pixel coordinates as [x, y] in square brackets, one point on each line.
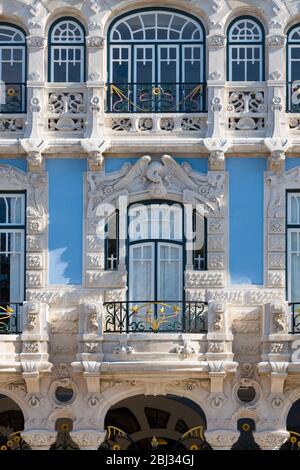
[141, 272]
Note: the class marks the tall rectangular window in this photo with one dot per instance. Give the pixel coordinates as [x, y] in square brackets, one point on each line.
[293, 246]
[12, 247]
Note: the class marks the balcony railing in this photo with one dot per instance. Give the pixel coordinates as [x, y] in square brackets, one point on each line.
[155, 317]
[13, 98]
[10, 318]
[295, 321]
[156, 98]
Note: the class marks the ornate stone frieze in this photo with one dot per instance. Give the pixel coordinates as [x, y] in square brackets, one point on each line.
[39, 439]
[215, 41]
[276, 40]
[36, 41]
[95, 42]
[271, 440]
[204, 279]
[88, 438]
[276, 278]
[216, 261]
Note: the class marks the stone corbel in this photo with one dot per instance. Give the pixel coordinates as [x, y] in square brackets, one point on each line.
[278, 374]
[277, 146]
[95, 148]
[275, 318]
[216, 144]
[34, 149]
[217, 376]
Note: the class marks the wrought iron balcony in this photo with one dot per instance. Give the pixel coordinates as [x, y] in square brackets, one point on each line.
[13, 98]
[295, 321]
[10, 318]
[156, 98]
[155, 317]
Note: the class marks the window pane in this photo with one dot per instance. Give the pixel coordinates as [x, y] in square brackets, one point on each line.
[253, 71]
[238, 71]
[74, 72]
[60, 72]
[295, 277]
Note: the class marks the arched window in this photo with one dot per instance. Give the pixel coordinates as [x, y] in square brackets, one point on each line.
[12, 69]
[246, 50]
[293, 68]
[67, 51]
[156, 60]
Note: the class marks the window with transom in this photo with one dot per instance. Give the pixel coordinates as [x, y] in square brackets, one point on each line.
[12, 69]
[67, 51]
[245, 50]
[156, 62]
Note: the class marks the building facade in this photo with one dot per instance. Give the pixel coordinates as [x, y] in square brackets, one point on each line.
[149, 224]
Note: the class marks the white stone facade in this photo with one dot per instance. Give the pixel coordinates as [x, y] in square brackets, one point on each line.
[63, 342]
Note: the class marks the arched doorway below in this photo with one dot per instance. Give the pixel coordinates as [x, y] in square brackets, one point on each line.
[168, 423]
[293, 426]
[11, 424]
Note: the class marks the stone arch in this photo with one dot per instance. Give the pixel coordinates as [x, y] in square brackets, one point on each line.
[122, 8]
[64, 11]
[292, 420]
[250, 10]
[148, 421]
[12, 423]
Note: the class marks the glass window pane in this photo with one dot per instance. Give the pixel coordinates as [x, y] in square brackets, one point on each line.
[238, 71]
[60, 72]
[295, 277]
[74, 72]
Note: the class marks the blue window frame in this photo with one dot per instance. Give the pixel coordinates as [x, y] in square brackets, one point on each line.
[293, 69]
[13, 57]
[67, 51]
[245, 53]
[156, 62]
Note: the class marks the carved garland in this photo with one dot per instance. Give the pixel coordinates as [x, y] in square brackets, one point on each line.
[164, 179]
[35, 184]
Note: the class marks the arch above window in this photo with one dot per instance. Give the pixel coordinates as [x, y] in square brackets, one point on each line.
[67, 51]
[156, 25]
[11, 34]
[245, 56]
[67, 31]
[294, 34]
[245, 30]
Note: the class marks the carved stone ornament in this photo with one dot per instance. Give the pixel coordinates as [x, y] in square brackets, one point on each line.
[218, 310]
[271, 440]
[88, 438]
[186, 350]
[39, 438]
[158, 179]
[276, 40]
[95, 42]
[215, 75]
[223, 438]
[216, 41]
[36, 41]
